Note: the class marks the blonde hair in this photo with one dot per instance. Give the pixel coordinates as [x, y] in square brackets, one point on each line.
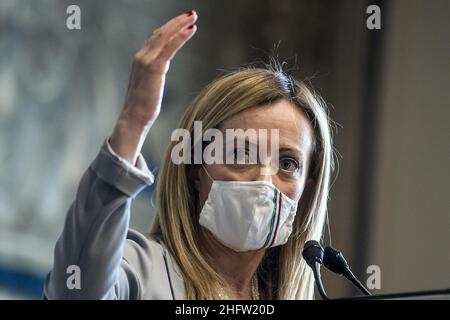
[283, 273]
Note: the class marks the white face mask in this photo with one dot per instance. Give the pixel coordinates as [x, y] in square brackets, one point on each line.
[248, 215]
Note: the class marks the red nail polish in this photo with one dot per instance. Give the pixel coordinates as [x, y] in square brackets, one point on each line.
[190, 13]
[191, 26]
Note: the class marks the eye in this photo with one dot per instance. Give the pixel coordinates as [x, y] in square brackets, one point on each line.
[289, 165]
[241, 156]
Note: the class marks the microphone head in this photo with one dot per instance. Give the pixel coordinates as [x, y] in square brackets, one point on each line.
[313, 252]
[334, 260]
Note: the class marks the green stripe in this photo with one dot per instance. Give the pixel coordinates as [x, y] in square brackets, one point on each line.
[272, 222]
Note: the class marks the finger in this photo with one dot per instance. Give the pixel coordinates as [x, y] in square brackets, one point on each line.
[169, 51]
[164, 34]
[191, 17]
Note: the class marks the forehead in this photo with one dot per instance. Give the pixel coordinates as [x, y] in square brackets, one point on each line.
[295, 129]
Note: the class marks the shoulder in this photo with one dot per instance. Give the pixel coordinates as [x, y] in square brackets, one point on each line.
[141, 252]
[156, 271]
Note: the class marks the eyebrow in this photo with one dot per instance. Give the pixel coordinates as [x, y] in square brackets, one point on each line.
[293, 149]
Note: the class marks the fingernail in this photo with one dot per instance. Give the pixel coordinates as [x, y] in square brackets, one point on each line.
[191, 26]
[190, 13]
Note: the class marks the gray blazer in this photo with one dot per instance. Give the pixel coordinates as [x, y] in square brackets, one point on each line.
[114, 262]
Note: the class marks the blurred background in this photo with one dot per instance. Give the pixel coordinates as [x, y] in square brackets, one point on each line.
[61, 92]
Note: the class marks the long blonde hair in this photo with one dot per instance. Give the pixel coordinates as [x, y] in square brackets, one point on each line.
[283, 273]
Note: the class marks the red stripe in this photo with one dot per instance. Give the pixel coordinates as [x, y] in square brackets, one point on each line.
[278, 220]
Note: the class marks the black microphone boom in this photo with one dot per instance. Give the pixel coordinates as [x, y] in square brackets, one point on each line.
[334, 260]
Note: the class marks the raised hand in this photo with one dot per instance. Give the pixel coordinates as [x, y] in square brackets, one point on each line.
[146, 85]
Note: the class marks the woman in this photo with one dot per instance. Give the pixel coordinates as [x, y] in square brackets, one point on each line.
[222, 231]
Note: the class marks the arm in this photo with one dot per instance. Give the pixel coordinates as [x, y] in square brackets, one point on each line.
[95, 231]
[97, 222]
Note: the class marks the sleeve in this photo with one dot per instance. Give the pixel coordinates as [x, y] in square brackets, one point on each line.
[88, 255]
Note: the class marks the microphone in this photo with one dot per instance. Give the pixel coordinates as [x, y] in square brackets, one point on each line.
[334, 260]
[313, 254]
